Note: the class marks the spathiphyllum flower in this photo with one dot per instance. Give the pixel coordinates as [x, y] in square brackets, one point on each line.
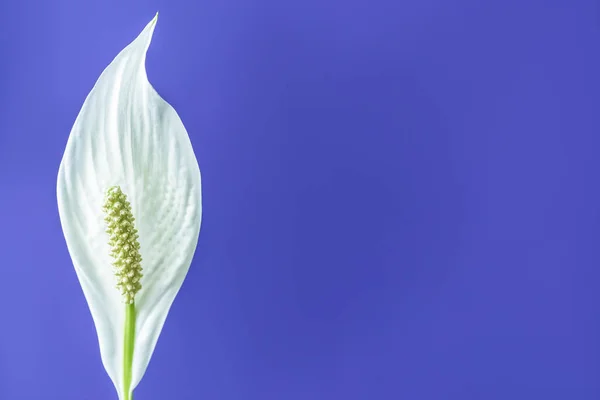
[129, 201]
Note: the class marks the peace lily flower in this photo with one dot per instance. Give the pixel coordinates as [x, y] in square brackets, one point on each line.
[129, 200]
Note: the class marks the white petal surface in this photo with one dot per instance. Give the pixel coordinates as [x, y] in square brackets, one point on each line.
[127, 135]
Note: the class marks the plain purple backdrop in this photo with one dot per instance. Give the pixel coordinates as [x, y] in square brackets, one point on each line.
[401, 198]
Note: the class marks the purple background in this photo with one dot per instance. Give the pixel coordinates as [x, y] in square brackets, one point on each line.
[401, 198]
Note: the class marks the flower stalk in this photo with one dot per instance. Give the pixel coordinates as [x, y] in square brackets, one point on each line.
[128, 346]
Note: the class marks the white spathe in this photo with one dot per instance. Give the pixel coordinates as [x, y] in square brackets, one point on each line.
[127, 135]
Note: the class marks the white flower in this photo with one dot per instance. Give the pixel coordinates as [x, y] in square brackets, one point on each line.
[128, 140]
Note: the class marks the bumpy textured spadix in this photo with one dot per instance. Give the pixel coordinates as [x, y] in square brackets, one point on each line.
[127, 137]
[124, 243]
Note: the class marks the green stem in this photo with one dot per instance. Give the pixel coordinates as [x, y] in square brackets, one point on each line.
[128, 349]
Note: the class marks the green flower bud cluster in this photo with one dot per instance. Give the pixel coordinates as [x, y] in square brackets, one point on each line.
[123, 242]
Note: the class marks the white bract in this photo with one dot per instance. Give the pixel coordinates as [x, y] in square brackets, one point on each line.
[127, 136]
